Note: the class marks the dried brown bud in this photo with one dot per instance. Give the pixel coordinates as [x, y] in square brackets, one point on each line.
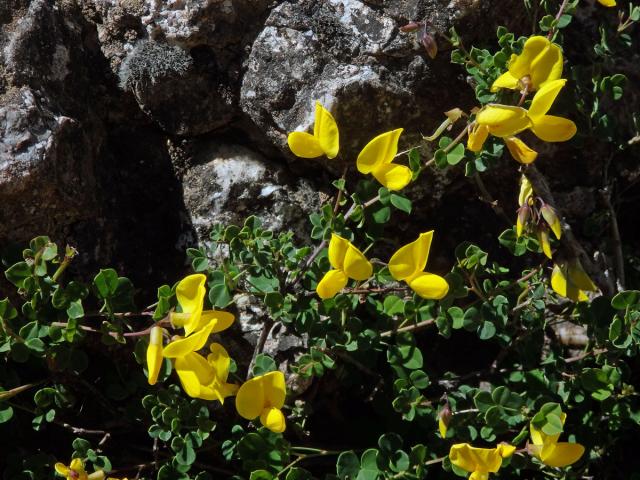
[429, 44]
[410, 27]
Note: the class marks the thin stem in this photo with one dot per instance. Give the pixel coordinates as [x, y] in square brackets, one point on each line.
[558, 15]
[617, 240]
[410, 328]
[486, 196]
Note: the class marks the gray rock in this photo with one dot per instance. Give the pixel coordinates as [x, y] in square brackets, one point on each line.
[352, 58]
[182, 97]
[231, 182]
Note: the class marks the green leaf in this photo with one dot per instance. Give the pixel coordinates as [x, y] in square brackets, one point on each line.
[486, 330]
[347, 466]
[17, 274]
[401, 202]
[106, 283]
[369, 465]
[625, 299]
[6, 414]
[456, 155]
[381, 215]
[393, 305]
[264, 364]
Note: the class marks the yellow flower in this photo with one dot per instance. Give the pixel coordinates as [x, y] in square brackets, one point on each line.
[325, 138]
[547, 449]
[377, 157]
[347, 262]
[607, 3]
[569, 280]
[75, 471]
[444, 417]
[505, 121]
[408, 264]
[154, 354]
[479, 461]
[540, 62]
[206, 379]
[190, 293]
[263, 396]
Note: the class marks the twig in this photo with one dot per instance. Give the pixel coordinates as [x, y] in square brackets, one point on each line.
[262, 339]
[410, 328]
[486, 196]
[558, 15]
[568, 239]
[584, 355]
[617, 240]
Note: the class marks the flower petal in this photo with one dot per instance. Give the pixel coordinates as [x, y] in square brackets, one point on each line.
[184, 346]
[430, 286]
[304, 145]
[563, 287]
[394, 177]
[62, 469]
[533, 47]
[526, 190]
[474, 459]
[607, 3]
[275, 389]
[503, 120]
[325, 130]
[561, 454]
[190, 293]
[273, 419]
[356, 265]
[477, 137]
[338, 247]
[223, 320]
[192, 373]
[547, 66]
[382, 149]
[519, 150]
[544, 98]
[219, 360]
[332, 282]
[553, 129]
[506, 80]
[543, 238]
[579, 277]
[154, 354]
[411, 258]
[250, 399]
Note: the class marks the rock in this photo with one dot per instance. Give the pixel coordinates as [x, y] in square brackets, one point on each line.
[352, 58]
[183, 97]
[231, 182]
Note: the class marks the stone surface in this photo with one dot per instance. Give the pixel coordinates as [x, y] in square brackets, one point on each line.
[230, 182]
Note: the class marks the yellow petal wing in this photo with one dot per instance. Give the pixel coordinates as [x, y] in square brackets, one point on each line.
[429, 286]
[503, 120]
[250, 399]
[562, 286]
[332, 282]
[223, 320]
[477, 137]
[506, 80]
[580, 278]
[553, 129]
[338, 247]
[544, 98]
[190, 293]
[275, 389]
[533, 47]
[220, 361]
[411, 258]
[273, 419]
[561, 454]
[607, 3]
[394, 177]
[547, 66]
[356, 265]
[304, 145]
[382, 149]
[184, 346]
[519, 150]
[325, 130]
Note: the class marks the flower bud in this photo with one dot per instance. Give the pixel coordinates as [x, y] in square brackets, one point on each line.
[523, 216]
[550, 216]
[410, 27]
[543, 238]
[429, 44]
[454, 114]
[444, 417]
